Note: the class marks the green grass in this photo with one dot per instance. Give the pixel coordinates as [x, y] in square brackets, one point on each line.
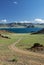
[28, 40]
[5, 52]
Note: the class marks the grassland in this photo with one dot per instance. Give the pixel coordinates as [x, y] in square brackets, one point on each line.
[28, 40]
[10, 57]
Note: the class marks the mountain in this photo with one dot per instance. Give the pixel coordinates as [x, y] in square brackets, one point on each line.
[27, 25]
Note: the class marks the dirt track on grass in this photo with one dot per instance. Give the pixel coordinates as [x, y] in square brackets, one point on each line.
[14, 48]
[33, 55]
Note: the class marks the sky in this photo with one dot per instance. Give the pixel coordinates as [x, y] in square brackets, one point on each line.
[22, 11]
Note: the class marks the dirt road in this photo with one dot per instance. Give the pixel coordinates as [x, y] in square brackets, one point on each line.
[34, 56]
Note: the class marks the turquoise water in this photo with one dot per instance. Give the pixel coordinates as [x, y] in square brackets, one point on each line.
[21, 30]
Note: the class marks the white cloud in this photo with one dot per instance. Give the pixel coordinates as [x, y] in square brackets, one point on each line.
[4, 20]
[15, 2]
[27, 21]
[24, 21]
[39, 20]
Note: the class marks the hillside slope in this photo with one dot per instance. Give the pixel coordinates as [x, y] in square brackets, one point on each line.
[39, 32]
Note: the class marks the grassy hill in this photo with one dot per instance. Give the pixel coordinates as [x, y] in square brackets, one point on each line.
[9, 56]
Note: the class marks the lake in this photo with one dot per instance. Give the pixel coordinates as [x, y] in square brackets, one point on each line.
[21, 30]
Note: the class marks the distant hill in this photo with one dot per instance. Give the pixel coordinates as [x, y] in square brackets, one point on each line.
[39, 32]
[27, 25]
[21, 25]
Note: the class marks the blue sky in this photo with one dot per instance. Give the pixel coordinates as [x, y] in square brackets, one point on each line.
[22, 10]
